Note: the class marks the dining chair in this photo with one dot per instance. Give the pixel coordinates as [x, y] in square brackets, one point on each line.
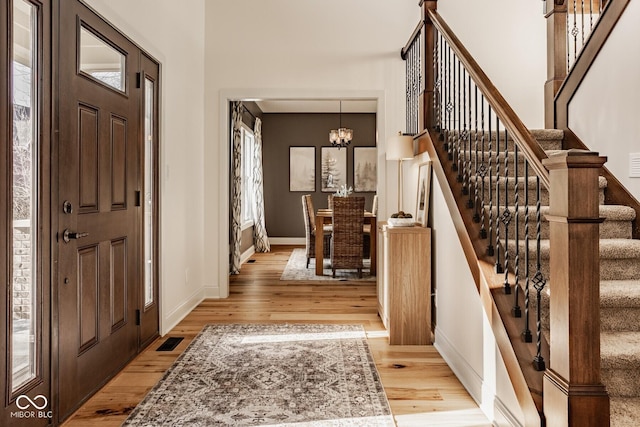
[310, 230]
[367, 229]
[347, 235]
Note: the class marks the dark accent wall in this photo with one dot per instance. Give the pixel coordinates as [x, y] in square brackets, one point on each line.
[283, 208]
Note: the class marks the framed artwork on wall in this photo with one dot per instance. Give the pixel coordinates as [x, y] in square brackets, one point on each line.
[424, 188]
[365, 169]
[334, 168]
[302, 169]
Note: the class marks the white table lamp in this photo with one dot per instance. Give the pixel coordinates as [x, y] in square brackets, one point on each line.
[400, 147]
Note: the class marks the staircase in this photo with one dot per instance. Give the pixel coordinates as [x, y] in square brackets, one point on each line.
[619, 287]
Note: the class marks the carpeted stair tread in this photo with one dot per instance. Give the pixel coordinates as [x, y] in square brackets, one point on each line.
[620, 350]
[620, 293]
[625, 411]
[609, 248]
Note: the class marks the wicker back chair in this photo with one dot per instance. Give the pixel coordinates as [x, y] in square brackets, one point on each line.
[346, 240]
[310, 230]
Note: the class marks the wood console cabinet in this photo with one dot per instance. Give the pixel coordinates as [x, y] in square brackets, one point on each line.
[404, 287]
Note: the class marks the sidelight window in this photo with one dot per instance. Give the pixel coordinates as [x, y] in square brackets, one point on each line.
[24, 295]
[149, 191]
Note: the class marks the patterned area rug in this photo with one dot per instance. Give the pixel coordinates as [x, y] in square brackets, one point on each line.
[269, 375]
[296, 269]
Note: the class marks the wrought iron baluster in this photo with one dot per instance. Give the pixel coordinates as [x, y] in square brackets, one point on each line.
[490, 248]
[436, 86]
[450, 106]
[526, 333]
[483, 174]
[470, 162]
[582, 16]
[506, 214]
[516, 311]
[499, 269]
[459, 125]
[476, 196]
[574, 30]
[539, 283]
[464, 139]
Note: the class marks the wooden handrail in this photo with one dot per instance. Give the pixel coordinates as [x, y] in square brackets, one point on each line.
[412, 38]
[521, 135]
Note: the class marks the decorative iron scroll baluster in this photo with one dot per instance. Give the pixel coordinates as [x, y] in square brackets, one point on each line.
[516, 310]
[465, 135]
[443, 82]
[582, 16]
[574, 30]
[470, 162]
[436, 86]
[475, 201]
[483, 174]
[506, 214]
[449, 107]
[490, 248]
[539, 283]
[526, 333]
[499, 269]
[458, 165]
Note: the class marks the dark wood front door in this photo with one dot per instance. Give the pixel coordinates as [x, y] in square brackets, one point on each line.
[100, 271]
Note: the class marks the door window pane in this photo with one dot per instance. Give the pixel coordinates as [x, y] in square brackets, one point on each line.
[149, 192]
[24, 295]
[101, 60]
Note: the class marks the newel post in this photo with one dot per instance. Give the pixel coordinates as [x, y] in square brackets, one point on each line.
[427, 117]
[573, 392]
[556, 14]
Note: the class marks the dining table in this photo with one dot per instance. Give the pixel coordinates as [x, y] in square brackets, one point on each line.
[324, 217]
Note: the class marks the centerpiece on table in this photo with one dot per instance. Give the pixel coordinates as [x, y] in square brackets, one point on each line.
[344, 191]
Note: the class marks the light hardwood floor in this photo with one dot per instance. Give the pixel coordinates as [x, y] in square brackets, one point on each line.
[422, 389]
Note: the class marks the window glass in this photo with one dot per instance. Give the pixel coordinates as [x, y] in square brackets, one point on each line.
[247, 177]
[101, 60]
[24, 296]
[149, 191]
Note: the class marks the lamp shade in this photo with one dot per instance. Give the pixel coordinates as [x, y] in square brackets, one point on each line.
[400, 147]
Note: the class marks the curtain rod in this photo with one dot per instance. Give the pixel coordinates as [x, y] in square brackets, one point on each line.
[247, 110]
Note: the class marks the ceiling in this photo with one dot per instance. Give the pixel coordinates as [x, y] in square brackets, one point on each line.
[317, 105]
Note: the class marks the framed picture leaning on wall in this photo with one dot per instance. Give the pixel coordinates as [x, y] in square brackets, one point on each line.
[302, 169]
[424, 190]
[334, 168]
[365, 169]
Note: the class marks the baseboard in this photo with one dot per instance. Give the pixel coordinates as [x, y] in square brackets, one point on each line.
[247, 254]
[475, 385]
[287, 241]
[460, 367]
[212, 291]
[169, 321]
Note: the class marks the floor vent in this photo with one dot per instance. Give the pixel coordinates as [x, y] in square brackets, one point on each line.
[251, 261]
[170, 344]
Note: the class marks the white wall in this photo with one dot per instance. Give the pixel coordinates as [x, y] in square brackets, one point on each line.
[508, 39]
[175, 37]
[463, 333]
[605, 112]
[296, 49]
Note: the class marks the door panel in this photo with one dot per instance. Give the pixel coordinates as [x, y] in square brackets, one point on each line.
[98, 243]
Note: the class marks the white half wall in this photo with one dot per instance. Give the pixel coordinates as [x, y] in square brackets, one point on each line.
[175, 37]
[605, 112]
[463, 334]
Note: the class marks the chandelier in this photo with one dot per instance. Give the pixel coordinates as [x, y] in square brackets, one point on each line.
[340, 137]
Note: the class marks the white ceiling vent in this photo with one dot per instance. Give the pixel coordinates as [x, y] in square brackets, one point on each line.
[634, 165]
